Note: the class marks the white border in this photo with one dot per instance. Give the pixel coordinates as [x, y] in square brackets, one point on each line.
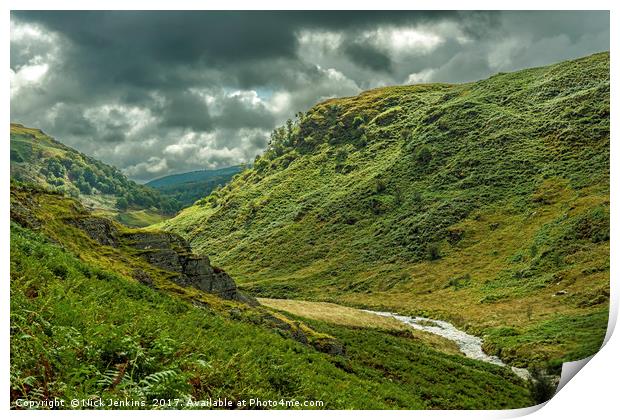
[592, 394]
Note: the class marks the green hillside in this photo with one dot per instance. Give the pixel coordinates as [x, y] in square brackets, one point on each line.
[94, 314]
[486, 204]
[39, 159]
[184, 189]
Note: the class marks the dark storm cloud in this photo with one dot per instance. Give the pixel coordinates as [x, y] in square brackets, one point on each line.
[162, 92]
[368, 56]
[69, 119]
[235, 112]
[186, 110]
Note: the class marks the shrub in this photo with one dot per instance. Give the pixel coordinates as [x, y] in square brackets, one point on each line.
[432, 252]
[424, 155]
[379, 186]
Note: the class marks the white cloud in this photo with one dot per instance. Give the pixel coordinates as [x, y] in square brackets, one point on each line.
[30, 75]
[405, 39]
[154, 166]
[423, 76]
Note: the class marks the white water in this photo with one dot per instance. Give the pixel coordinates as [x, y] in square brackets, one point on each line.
[470, 345]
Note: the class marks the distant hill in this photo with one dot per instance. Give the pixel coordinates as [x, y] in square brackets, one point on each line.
[188, 187]
[485, 203]
[37, 158]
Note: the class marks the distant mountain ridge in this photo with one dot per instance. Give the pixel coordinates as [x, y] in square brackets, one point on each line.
[194, 176]
[185, 188]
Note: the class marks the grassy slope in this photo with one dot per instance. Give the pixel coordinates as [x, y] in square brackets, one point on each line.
[31, 151]
[474, 202]
[82, 328]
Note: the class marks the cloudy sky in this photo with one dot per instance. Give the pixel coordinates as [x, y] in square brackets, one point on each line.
[156, 93]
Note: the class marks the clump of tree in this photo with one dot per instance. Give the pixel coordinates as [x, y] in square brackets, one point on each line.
[74, 174]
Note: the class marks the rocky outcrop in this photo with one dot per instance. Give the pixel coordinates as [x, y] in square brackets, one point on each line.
[22, 204]
[164, 250]
[304, 335]
[97, 228]
[172, 253]
[167, 251]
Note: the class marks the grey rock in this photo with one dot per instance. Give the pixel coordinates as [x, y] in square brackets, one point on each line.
[142, 277]
[167, 251]
[97, 228]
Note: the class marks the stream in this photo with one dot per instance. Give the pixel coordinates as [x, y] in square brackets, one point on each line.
[470, 345]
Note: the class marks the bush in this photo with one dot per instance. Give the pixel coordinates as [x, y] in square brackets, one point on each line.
[424, 155]
[432, 252]
[358, 121]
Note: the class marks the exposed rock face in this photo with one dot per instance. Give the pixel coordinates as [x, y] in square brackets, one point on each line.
[97, 228]
[167, 251]
[142, 277]
[21, 210]
[170, 252]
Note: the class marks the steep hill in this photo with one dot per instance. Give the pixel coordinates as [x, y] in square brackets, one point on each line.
[484, 203]
[99, 310]
[39, 159]
[184, 189]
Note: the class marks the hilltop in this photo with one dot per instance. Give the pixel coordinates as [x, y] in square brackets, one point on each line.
[484, 203]
[39, 159]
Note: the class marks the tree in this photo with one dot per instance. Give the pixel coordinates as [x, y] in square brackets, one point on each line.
[121, 203]
[542, 386]
[76, 172]
[83, 186]
[90, 176]
[55, 168]
[289, 132]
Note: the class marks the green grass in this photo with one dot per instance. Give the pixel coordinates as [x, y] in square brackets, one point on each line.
[385, 200]
[80, 331]
[580, 337]
[139, 218]
[351, 317]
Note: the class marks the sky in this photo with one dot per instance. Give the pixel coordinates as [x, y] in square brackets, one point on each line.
[158, 93]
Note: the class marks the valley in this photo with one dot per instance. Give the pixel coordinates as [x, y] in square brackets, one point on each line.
[380, 239]
[484, 204]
